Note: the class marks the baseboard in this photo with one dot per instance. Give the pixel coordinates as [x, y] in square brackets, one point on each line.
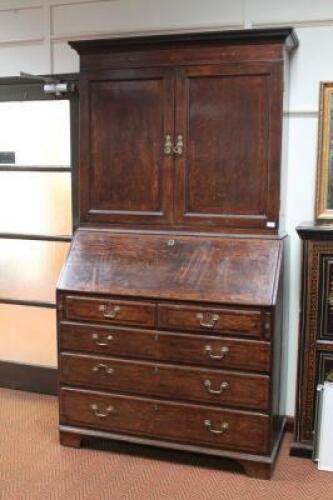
[290, 424]
[301, 450]
[22, 377]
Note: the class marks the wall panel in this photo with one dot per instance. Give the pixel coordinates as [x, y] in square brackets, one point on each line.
[116, 16]
[65, 59]
[300, 208]
[286, 11]
[311, 63]
[19, 24]
[31, 58]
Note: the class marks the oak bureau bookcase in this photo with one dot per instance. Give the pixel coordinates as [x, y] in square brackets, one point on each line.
[170, 301]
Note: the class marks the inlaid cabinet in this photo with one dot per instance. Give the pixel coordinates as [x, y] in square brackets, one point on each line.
[315, 352]
[170, 303]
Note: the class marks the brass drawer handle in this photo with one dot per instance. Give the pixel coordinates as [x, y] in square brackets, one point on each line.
[95, 338]
[223, 387]
[101, 366]
[209, 350]
[99, 413]
[207, 320]
[178, 149]
[224, 427]
[168, 145]
[109, 312]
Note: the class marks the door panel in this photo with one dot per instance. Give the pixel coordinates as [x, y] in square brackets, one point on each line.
[126, 177]
[224, 175]
[325, 298]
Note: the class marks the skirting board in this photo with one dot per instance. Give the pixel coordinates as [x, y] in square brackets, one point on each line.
[31, 378]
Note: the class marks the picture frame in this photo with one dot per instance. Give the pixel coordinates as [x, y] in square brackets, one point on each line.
[324, 191]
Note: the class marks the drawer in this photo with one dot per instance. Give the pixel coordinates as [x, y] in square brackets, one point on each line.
[227, 321]
[187, 423]
[198, 349]
[167, 381]
[119, 312]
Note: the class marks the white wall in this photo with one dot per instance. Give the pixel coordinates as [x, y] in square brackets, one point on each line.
[33, 36]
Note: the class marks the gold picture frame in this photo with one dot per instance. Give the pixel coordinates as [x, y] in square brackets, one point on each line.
[324, 195]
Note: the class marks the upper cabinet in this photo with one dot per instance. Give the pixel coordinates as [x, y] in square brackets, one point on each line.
[183, 131]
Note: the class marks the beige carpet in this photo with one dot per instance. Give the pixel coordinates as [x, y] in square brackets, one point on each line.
[34, 466]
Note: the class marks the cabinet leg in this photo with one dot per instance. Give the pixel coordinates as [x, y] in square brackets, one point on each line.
[70, 439]
[256, 469]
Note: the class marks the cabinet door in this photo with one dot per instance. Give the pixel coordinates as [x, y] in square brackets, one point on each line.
[125, 177]
[325, 298]
[228, 173]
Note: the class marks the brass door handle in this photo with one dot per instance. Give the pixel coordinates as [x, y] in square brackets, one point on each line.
[223, 387]
[99, 413]
[109, 312]
[178, 149]
[207, 320]
[222, 430]
[101, 366]
[168, 145]
[224, 351]
[95, 338]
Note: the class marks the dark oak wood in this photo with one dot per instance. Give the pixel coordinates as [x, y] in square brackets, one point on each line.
[315, 351]
[232, 321]
[250, 391]
[70, 439]
[126, 177]
[174, 267]
[223, 95]
[226, 176]
[169, 330]
[214, 351]
[152, 417]
[119, 312]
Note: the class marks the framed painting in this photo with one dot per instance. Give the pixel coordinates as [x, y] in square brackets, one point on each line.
[324, 197]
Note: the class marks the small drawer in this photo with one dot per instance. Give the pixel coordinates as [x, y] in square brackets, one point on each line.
[242, 354]
[166, 381]
[181, 422]
[119, 312]
[208, 319]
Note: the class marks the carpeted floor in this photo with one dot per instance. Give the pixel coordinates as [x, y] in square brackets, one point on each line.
[34, 466]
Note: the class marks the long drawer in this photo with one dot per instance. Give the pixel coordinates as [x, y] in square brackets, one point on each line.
[219, 320]
[164, 346]
[164, 380]
[119, 312]
[196, 424]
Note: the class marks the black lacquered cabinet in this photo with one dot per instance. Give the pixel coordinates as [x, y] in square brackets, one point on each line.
[315, 352]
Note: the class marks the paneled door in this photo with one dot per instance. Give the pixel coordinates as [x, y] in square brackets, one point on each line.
[228, 122]
[127, 120]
